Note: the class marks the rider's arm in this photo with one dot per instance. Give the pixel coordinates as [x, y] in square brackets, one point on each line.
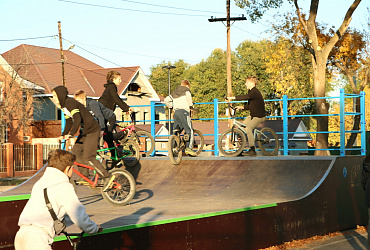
[189, 99]
[75, 210]
[118, 100]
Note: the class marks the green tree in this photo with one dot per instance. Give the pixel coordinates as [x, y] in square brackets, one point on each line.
[159, 76]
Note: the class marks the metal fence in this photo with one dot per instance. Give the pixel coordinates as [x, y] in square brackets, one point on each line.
[24, 157]
[46, 148]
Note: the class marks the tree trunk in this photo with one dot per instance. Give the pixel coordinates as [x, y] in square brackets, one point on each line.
[321, 106]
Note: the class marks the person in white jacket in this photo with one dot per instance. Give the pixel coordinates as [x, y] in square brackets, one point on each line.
[181, 102]
[36, 223]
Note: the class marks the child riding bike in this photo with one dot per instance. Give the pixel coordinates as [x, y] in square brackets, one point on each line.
[256, 105]
[86, 144]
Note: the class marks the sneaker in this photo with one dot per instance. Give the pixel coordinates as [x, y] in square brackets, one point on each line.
[109, 184]
[190, 152]
[250, 153]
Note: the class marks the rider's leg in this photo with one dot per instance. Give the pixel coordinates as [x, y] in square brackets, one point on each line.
[108, 137]
[78, 151]
[252, 123]
[177, 126]
[90, 145]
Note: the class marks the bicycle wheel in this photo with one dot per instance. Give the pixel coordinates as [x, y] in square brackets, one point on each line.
[231, 142]
[130, 154]
[268, 142]
[145, 141]
[174, 149]
[198, 141]
[123, 190]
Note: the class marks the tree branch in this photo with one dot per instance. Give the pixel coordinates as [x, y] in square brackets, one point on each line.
[347, 19]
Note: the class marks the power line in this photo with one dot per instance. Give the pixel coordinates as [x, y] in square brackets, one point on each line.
[118, 8]
[170, 7]
[22, 39]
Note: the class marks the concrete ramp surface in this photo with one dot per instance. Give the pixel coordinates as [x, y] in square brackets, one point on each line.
[264, 195]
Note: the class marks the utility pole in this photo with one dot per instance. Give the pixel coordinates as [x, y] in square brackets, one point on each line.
[228, 19]
[61, 53]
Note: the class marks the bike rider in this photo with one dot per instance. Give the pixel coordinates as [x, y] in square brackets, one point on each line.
[256, 106]
[111, 99]
[36, 223]
[181, 102]
[86, 144]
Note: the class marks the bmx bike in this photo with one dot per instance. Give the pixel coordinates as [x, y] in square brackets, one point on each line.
[177, 143]
[126, 152]
[142, 138]
[120, 193]
[232, 141]
[74, 244]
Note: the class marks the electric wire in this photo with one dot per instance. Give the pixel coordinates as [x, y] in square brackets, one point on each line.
[125, 9]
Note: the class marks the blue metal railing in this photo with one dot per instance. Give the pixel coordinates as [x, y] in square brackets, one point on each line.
[285, 117]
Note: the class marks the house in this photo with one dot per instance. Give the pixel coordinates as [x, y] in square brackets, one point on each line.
[41, 67]
[16, 103]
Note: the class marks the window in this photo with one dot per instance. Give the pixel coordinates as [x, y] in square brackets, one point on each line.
[134, 87]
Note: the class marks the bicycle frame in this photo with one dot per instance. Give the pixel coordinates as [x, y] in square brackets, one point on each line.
[92, 183]
[241, 126]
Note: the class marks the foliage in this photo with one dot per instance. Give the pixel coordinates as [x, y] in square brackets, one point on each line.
[256, 8]
[159, 76]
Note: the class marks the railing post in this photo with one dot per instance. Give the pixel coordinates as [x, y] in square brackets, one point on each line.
[363, 123]
[9, 159]
[285, 125]
[152, 122]
[39, 154]
[342, 128]
[62, 126]
[215, 129]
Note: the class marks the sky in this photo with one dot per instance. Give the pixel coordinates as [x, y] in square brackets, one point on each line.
[122, 33]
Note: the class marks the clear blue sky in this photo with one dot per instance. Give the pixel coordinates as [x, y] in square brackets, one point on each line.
[142, 32]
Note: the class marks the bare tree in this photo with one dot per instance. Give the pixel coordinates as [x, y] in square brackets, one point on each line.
[16, 98]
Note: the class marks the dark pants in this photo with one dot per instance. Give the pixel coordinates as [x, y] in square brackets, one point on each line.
[108, 137]
[85, 151]
[182, 119]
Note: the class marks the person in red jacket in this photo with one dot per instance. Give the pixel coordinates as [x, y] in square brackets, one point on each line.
[86, 144]
[256, 106]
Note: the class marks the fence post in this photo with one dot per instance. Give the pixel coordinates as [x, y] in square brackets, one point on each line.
[285, 125]
[9, 159]
[215, 128]
[39, 154]
[152, 122]
[363, 123]
[342, 128]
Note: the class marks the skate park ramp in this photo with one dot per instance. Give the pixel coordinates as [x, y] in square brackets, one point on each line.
[280, 197]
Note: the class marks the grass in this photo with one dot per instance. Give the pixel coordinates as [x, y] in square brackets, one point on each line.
[11, 181]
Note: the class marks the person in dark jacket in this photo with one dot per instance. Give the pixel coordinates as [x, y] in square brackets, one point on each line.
[256, 106]
[105, 117]
[110, 97]
[366, 186]
[86, 144]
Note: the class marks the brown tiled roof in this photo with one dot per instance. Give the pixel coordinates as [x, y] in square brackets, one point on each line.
[42, 66]
[97, 78]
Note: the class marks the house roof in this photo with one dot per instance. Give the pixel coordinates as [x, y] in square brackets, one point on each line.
[96, 78]
[42, 66]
